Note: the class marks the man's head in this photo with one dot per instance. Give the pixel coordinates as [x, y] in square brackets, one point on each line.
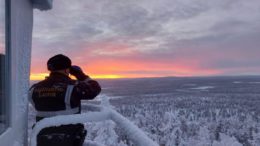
[59, 63]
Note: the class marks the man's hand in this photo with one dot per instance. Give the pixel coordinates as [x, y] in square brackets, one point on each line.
[78, 73]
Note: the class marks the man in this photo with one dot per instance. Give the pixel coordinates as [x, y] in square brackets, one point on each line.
[60, 95]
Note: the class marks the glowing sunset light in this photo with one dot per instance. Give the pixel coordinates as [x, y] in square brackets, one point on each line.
[39, 76]
[130, 39]
[42, 76]
[127, 68]
[107, 76]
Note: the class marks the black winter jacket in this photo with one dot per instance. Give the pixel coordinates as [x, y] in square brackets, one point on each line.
[58, 94]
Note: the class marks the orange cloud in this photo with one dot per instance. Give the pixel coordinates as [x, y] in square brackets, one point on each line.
[116, 60]
[135, 68]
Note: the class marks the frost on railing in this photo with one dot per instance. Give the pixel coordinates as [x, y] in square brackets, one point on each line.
[101, 113]
[92, 143]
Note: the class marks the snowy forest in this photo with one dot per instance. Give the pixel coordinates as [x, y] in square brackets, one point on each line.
[216, 111]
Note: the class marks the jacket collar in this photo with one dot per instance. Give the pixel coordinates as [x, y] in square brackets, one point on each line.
[58, 75]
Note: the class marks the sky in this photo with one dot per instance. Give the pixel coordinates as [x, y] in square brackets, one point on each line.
[150, 38]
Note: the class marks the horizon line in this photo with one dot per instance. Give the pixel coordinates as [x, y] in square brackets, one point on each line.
[197, 76]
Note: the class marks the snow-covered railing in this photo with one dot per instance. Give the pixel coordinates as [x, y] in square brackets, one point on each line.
[92, 143]
[102, 113]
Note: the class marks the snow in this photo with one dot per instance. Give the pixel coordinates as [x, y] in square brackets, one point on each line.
[106, 113]
[237, 82]
[190, 84]
[254, 82]
[101, 96]
[226, 141]
[203, 87]
[106, 134]
[184, 119]
[92, 143]
[21, 40]
[16, 143]
[134, 133]
[67, 119]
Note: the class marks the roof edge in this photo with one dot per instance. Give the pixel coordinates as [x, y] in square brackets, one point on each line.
[42, 5]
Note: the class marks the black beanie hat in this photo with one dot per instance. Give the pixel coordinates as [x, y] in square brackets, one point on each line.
[58, 62]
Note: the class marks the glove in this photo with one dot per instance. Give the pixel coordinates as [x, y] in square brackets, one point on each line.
[78, 73]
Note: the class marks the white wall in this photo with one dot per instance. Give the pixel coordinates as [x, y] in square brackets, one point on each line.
[21, 37]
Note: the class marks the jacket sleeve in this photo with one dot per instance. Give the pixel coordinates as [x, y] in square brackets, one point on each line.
[87, 89]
